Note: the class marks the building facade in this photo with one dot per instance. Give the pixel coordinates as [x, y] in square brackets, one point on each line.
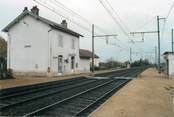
[86, 60]
[169, 57]
[39, 46]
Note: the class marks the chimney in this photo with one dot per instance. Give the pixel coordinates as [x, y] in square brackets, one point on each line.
[25, 9]
[64, 24]
[35, 10]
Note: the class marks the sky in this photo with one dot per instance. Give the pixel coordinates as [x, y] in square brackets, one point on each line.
[132, 15]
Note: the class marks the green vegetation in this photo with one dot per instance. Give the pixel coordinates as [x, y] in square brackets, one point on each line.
[114, 64]
[4, 73]
[3, 48]
[140, 62]
[111, 64]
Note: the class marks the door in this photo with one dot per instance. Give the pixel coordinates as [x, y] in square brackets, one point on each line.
[60, 64]
[72, 62]
[167, 66]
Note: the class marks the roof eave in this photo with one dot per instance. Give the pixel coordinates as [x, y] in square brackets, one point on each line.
[4, 30]
[23, 14]
[16, 20]
[67, 31]
[84, 57]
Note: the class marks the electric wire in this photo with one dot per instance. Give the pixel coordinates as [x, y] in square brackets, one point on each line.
[58, 4]
[54, 11]
[166, 19]
[115, 20]
[146, 23]
[120, 19]
[170, 10]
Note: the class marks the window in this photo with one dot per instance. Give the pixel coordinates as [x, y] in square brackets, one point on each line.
[72, 62]
[27, 46]
[73, 43]
[60, 41]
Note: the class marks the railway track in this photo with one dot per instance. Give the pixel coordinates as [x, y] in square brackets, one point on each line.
[79, 103]
[32, 93]
[43, 101]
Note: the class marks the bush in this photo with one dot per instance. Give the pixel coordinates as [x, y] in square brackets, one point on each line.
[4, 73]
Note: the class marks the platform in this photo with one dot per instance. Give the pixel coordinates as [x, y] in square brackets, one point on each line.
[148, 96]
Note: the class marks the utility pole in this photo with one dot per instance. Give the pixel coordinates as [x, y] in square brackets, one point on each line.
[159, 45]
[130, 55]
[172, 41]
[158, 31]
[159, 51]
[93, 44]
[155, 55]
[93, 48]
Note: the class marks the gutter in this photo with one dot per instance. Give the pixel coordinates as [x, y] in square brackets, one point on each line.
[9, 51]
[49, 51]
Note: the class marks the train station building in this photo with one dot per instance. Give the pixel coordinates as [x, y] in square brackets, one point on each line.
[169, 57]
[38, 46]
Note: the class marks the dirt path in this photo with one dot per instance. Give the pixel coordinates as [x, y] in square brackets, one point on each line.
[148, 96]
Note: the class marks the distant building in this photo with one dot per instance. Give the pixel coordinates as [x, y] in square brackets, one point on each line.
[86, 60]
[39, 46]
[169, 57]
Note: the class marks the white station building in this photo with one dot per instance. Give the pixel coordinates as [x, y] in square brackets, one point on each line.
[169, 57]
[38, 46]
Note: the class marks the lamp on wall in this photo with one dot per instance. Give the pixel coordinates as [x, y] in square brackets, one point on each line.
[66, 60]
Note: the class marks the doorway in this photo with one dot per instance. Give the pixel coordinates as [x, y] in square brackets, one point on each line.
[167, 67]
[60, 64]
[72, 63]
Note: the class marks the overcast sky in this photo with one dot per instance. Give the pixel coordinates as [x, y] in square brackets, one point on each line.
[135, 15]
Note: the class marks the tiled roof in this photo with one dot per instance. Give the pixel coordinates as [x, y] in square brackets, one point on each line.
[49, 22]
[167, 53]
[86, 54]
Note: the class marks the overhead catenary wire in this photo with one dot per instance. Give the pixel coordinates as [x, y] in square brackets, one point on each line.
[116, 13]
[166, 19]
[53, 10]
[117, 23]
[75, 13]
[170, 10]
[69, 10]
[81, 26]
[147, 23]
[115, 20]
[59, 4]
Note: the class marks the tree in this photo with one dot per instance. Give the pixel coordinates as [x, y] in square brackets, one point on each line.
[111, 64]
[140, 62]
[3, 48]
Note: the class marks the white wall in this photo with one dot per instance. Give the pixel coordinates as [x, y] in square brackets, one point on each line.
[171, 65]
[66, 51]
[28, 32]
[84, 65]
[43, 50]
[96, 61]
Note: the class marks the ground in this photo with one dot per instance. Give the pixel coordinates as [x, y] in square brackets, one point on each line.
[26, 80]
[148, 96]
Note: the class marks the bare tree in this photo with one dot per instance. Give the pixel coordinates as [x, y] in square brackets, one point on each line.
[3, 47]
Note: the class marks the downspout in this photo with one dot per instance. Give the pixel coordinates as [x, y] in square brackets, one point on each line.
[49, 51]
[9, 52]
